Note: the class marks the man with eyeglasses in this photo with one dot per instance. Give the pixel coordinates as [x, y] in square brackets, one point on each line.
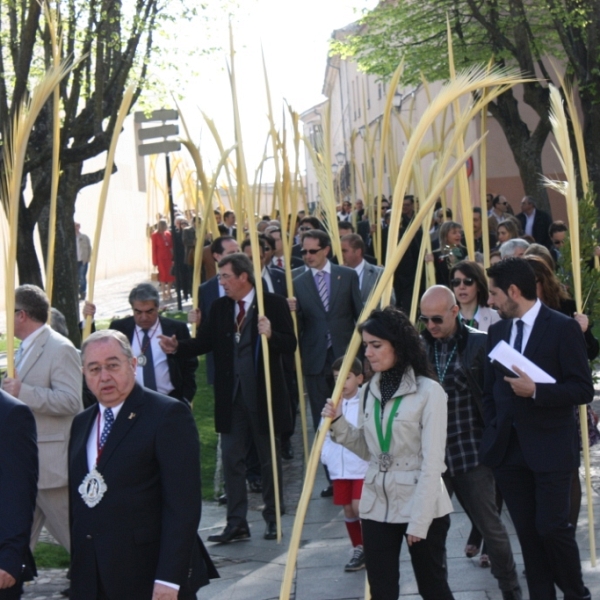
[557, 232]
[498, 212]
[278, 259]
[328, 303]
[134, 481]
[47, 379]
[457, 354]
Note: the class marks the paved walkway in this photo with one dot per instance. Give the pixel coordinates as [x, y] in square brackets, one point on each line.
[254, 569]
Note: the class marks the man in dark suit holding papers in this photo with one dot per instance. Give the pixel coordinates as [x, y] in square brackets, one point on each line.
[530, 438]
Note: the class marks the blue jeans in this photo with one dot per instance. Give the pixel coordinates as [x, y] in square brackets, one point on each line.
[82, 268]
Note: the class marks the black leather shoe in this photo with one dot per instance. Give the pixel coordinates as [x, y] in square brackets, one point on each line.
[66, 592]
[327, 492]
[512, 594]
[231, 533]
[271, 531]
[222, 499]
[286, 452]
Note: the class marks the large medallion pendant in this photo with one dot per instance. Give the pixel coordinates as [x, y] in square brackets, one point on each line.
[92, 488]
[142, 360]
[237, 337]
[385, 461]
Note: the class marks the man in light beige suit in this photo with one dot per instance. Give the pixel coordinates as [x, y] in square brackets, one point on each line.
[48, 380]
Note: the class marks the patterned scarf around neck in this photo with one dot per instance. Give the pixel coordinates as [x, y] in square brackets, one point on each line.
[388, 384]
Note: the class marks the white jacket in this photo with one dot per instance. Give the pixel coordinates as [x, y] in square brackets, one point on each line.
[341, 462]
[412, 490]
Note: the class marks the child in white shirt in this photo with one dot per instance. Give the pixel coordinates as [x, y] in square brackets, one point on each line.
[346, 469]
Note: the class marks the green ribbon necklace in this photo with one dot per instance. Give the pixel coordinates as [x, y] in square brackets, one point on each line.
[385, 460]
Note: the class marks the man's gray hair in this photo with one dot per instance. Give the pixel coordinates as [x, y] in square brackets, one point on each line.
[508, 248]
[103, 336]
[144, 292]
[33, 301]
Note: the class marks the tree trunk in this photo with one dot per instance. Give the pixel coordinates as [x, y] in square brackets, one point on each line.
[526, 146]
[65, 295]
[591, 135]
[27, 261]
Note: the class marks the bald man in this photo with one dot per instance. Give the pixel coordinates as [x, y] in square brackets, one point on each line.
[457, 353]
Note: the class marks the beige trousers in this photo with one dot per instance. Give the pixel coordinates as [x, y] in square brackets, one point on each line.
[52, 510]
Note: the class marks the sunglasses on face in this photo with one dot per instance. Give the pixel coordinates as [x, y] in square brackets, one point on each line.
[468, 281]
[436, 320]
[305, 251]
[304, 228]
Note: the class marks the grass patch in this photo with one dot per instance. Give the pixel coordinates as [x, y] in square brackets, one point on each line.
[204, 416]
[51, 556]
[4, 343]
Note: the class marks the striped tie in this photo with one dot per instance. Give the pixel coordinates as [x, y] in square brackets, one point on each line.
[322, 287]
[324, 294]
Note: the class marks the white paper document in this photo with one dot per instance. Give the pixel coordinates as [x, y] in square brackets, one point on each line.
[504, 356]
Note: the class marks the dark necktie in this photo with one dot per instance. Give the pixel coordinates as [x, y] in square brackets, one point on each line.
[149, 374]
[519, 338]
[109, 419]
[241, 315]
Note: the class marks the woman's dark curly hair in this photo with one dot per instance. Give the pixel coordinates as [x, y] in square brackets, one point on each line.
[393, 325]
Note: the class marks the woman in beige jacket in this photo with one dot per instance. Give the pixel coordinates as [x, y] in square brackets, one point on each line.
[402, 433]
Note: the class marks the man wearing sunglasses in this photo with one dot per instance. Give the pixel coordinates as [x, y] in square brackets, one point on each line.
[328, 303]
[457, 354]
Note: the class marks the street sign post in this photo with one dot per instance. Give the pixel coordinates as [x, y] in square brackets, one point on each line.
[165, 146]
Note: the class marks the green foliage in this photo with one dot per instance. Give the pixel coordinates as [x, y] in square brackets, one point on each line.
[203, 410]
[417, 32]
[51, 556]
[589, 238]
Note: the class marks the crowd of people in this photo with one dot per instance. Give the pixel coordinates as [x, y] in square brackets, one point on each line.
[424, 414]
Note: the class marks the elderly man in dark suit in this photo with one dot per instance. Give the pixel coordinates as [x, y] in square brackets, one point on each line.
[535, 222]
[328, 303]
[18, 487]
[232, 333]
[171, 375]
[530, 437]
[134, 482]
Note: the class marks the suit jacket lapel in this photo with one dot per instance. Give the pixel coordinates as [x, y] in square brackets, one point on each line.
[126, 419]
[334, 285]
[80, 444]
[34, 353]
[537, 333]
[312, 288]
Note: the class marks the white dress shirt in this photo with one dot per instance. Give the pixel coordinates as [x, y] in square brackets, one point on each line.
[267, 277]
[247, 300]
[161, 366]
[528, 321]
[360, 270]
[529, 223]
[92, 444]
